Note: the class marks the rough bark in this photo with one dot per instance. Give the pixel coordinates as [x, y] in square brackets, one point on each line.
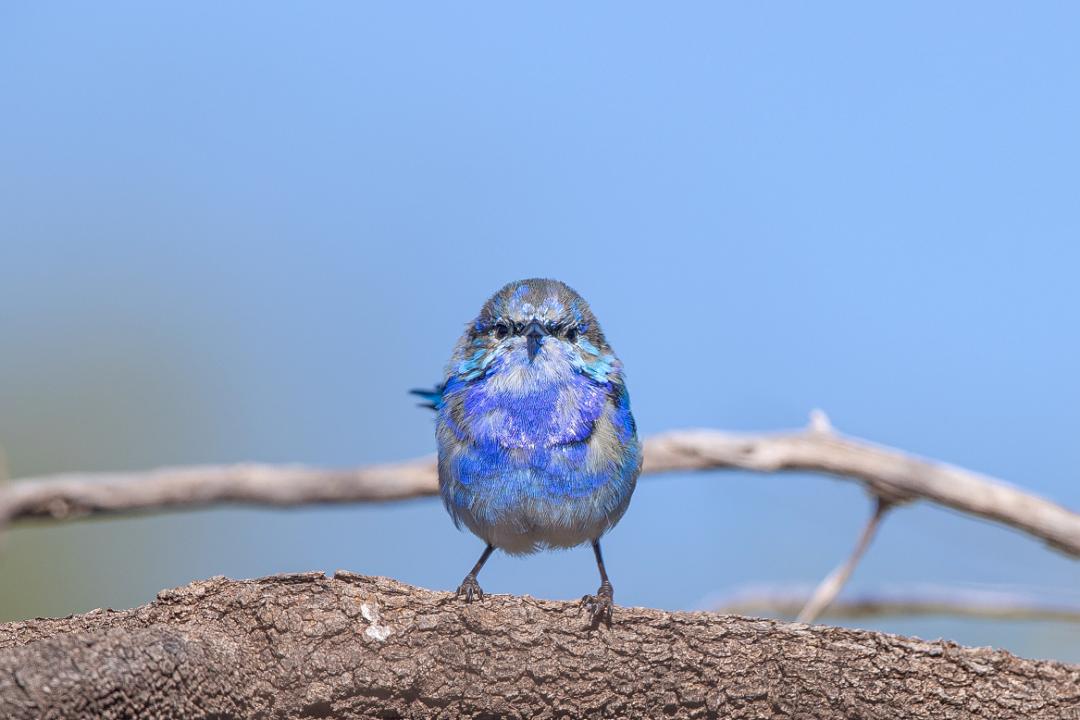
[358, 647]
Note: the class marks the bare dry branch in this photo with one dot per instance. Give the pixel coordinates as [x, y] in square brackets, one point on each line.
[359, 647]
[886, 473]
[991, 607]
[830, 587]
[77, 495]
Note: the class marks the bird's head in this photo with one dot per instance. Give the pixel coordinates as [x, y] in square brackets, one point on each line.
[532, 329]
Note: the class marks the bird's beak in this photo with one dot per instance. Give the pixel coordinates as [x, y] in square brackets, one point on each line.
[533, 335]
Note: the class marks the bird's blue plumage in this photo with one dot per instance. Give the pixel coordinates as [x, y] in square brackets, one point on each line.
[537, 444]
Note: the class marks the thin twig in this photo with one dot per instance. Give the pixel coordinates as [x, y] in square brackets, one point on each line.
[885, 472]
[830, 587]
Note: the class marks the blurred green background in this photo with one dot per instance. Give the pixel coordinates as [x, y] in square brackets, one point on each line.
[241, 232]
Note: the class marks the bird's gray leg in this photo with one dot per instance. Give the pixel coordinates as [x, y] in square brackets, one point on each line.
[469, 587]
[601, 604]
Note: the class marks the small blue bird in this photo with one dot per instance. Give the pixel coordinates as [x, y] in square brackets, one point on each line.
[537, 446]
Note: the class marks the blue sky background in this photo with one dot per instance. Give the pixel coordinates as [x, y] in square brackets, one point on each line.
[242, 231]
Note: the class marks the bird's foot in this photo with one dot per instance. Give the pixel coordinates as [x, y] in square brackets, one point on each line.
[600, 605]
[470, 589]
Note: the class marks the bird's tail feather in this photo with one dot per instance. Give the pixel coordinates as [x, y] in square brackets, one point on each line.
[433, 396]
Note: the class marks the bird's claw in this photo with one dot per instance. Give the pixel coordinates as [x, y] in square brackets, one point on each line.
[470, 589]
[600, 605]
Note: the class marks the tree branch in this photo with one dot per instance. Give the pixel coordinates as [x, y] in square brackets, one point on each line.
[990, 606]
[886, 473]
[359, 647]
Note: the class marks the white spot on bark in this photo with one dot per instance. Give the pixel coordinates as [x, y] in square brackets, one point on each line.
[374, 631]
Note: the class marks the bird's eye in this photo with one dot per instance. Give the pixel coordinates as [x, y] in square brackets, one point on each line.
[571, 334]
[501, 331]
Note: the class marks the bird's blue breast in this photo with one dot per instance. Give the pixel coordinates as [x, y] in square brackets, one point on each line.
[550, 415]
[534, 443]
[560, 456]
